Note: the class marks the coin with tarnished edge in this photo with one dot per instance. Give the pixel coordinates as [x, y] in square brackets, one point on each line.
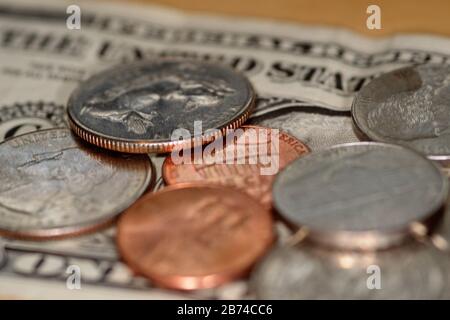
[55, 185]
[194, 236]
[246, 176]
[360, 195]
[135, 108]
[408, 106]
[412, 271]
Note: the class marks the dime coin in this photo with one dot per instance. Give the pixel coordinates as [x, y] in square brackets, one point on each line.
[136, 108]
[413, 271]
[361, 195]
[260, 162]
[409, 106]
[194, 236]
[55, 185]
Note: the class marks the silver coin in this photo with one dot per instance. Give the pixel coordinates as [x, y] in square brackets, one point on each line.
[409, 106]
[440, 235]
[360, 195]
[53, 184]
[414, 271]
[137, 107]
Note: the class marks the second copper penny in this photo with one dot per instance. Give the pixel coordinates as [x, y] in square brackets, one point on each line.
[245, 176]
[194, 236]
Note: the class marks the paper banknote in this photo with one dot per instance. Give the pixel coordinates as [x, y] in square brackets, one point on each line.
[305, 78]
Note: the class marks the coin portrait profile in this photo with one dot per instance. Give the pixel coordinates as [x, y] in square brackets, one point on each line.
[63, 174]
[202, 239]
[427, 113]
[408, 106]
[150, 99]
[54, 184]
[142, 104]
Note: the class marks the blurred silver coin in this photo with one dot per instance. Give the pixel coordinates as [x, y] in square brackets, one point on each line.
[361, 195]
[136, 108]
[413, 271]
[55, 185]
[440, 235]
[408, 106]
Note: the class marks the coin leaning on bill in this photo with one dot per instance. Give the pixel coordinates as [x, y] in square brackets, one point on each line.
[55, 185]
[136, 108]
[360, 196]
[409, 106]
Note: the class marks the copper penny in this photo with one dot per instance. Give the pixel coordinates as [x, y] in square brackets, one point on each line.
[246, 175]
[194, 236]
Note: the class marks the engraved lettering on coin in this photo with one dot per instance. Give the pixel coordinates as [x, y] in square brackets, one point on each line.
[53, 184]
[409, 106]
[363, 195]
[21, 118]
[143, 103]
[247, 175]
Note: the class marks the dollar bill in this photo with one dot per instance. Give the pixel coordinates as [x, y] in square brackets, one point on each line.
[305, 78]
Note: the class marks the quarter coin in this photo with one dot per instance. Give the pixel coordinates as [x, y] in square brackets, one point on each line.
[361, 195]
[194, 236]
[55, 185]
[137, 107]
[408, 106]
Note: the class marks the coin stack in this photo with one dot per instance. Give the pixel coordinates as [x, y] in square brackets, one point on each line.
[367, 219]
[371, 217]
